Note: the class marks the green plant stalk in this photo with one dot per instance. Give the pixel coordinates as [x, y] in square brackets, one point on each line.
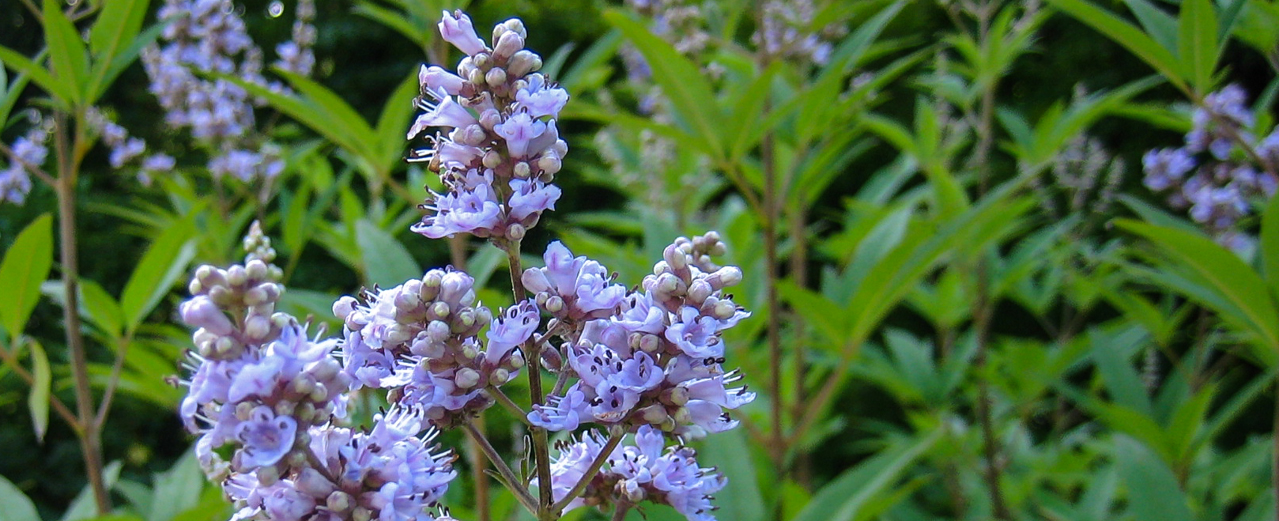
[512, 481]
[88, 430]
[1274, 464]
[533, 355]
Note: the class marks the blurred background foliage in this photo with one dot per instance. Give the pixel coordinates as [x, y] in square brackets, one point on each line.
[967, 303]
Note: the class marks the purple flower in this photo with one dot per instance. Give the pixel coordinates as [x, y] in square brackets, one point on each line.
[518, 130]
[456, 29]
[531, 198]
[541, 99]
[560, 413]
[266, 437]
[512, 329]
[463, 212]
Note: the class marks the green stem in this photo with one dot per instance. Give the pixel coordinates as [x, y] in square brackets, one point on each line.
[503, 470]
[533, 355]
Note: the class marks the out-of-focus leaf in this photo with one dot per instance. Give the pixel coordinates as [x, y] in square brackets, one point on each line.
[1235, 291]
[121, 60]
[845, 497]
[741, 498]
[26, 265]
[1127, 35]
[17, 506]
[1152, 488]
[1122, 381]
[178, 488]
[386, 262]
[391, 19]
[1270, 245]
[101, 308]
[743, 129]
[67, 55]
[813, 306]
[61, 92]
[1197, 42]
[38, 400]
[83, 506]
[1161, 26]
[393, 123]
[9, 93]
[160, 267]
[115, 28]
[684, 85]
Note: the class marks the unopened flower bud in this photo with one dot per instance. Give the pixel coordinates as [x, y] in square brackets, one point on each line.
[406, 301]
[654, 414]
[268, 475]
[677, 396]
[522, 170]
[243, 411]
[256, 270]
[338, 501]
[549, 163]
[517, 26]
[440, 309]
[344, 306]
[499, 377]
[236, 276]
[491, 159]
[699, 290]
[495, 76]
[319, 394]
[552, 359]
[194, 287]
[482, 61]
[554, 304]
[466, 378]
[257, 327]
[283, 408]
[724, 277]
[314, 484]
[476, 77]
[490, 118]
[202, 312]
[650, 344]
[523, 62]
[724, 309]
[225, 346]
[507, 46]
[303, 384]
[516, 232]
[361, 514]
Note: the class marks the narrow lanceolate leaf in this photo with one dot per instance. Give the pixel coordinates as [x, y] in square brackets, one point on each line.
[1230, 287]
[67, 54]
[844, 498]
[60, 92]
[1152, 487]
[113, 31]
[26, 265]
[38, 400]
[1127, 35]
[159, 269]
[684, 85]
[393, 122]
[1197, 43]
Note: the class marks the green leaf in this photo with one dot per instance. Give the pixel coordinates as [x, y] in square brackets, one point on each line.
[120, 61]
[1236, 292]
[394, 20]
[177, 489]
[309, 114]
[386, 262]
[38, 400]
[1270, 245]
[26, 265]
[813, 305]
[67, 54]
[1197, 43]
[393, 122]
[115, 28]
[1152, 488]
[101, 308]
[9, 93]
[164, 262]
[61, 92]
[743, 128]
[1122, 381]
[335, 110]
[741, 499]
[1127, 35]
[681, 81]
[1158, 24]
[17, 506]
[843, 498]
[83, 506]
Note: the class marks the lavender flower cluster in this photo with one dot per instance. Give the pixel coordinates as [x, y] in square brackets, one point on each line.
[29, 150]
[420, 341]
[263, 398]
[785, 32]
[125, 149]
[207, 38]
[502, 148]
[1220, 169]
[643, 358]
[637, 473]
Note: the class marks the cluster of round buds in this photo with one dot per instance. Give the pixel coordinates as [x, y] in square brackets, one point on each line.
[420, 340]
[501, 148]
[234, 308]
[655, 358]
[644, 471]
